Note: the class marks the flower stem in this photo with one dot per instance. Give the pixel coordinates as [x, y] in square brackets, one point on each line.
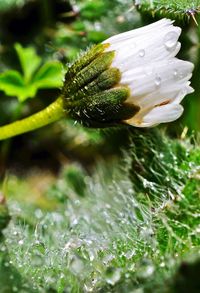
[50, 114]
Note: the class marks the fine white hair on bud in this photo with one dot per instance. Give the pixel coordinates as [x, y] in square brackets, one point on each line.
[157, 80]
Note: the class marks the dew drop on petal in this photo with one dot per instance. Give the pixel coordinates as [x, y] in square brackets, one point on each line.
[148, 70]
[142, 53]
[158, 81]
[175, 73]
[170, 40]
[181, 75]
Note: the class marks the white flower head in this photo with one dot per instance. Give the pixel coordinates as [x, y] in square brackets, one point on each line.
[157, 80]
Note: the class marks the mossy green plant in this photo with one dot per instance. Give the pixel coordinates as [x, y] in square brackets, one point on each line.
[183, 9]
[137, 222]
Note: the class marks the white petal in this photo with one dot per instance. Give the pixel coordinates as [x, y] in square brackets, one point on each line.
[158, 82]
[161, 114]
[143, 30]
[152, 42]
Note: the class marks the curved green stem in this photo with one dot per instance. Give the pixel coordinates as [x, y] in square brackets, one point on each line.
[50, 114]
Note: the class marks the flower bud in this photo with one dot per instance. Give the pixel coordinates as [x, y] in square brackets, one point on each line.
[132, 78]
[92, 91]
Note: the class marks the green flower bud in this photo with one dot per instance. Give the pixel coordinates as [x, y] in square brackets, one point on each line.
[92, 94]
[131, 78]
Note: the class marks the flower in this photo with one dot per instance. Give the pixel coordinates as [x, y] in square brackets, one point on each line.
[131, 78]
[158, 81]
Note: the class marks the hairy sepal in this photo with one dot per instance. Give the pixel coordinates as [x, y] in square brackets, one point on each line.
[92, 93]
[102, 109]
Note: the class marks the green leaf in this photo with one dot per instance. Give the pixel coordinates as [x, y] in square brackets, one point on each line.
[49, 75]
[29, 61]
[26, 85]
[12, 83]
[10, 4]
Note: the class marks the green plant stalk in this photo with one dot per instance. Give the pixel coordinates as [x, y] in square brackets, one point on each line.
[49, 115]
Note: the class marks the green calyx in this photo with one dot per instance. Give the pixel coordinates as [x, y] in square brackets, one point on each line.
[91, 92]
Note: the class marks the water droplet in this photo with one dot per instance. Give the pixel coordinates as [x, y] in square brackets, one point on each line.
[146, 271]
[76, 265]
[175, 73]
[108, 258]
[179, 74]
[38, 247]
[21, 242]
[97, 26]
[88, 287]
[113, 276]
[131, 267]
[3, 248]
[37, 260]
[161, 155]
[149, 70]
[72, 244]
[158, 81]
[38, 213]
[142, 53]
[92, 254]
[162, 264]
[170, 40]
[130, 254]
[77, 202]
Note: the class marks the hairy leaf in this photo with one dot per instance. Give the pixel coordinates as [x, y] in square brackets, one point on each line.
[169, 7]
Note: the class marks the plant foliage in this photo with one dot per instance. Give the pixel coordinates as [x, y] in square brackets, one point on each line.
[34, 76]
[128, 227]
[174, 8]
